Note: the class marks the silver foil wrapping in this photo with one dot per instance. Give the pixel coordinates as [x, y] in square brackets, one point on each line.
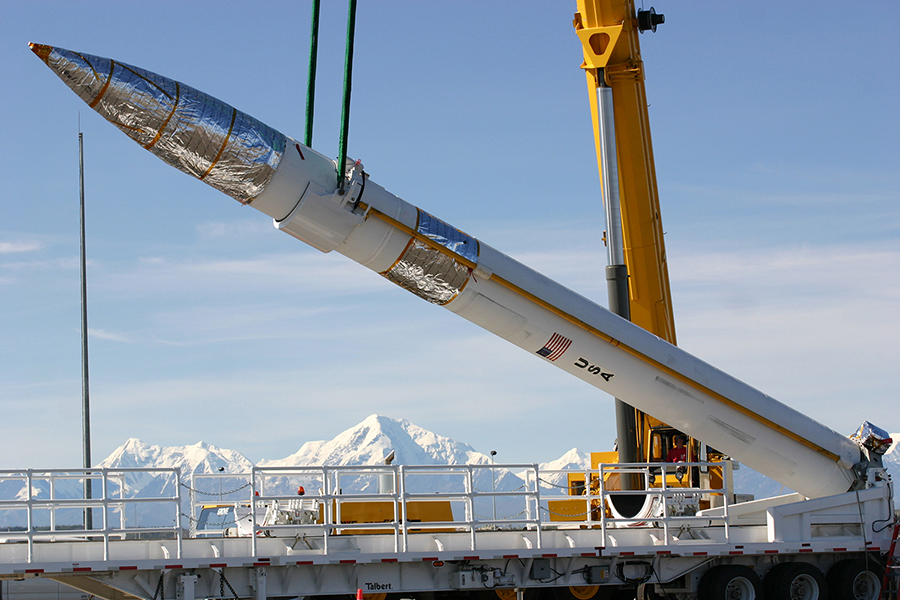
[190, 130]
[429, 273]
[873, 438]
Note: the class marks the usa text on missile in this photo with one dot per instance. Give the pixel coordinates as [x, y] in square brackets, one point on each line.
[296, 186]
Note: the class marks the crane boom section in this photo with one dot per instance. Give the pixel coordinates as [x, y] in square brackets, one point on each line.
[609, 35]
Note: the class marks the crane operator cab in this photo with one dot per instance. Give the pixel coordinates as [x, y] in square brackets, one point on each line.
[688, 464]
[669, 445]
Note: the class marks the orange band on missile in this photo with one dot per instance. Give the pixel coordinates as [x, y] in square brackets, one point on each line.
[96, 101]
[88, 63]
[168, 118]
[224, 143]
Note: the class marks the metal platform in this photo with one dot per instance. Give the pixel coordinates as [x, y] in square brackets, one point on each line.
[123, 556]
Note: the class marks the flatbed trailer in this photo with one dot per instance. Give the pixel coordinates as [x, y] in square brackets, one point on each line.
[666, 548]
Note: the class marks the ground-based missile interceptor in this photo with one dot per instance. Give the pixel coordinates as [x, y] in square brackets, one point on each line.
[644, 530]
[298, 187]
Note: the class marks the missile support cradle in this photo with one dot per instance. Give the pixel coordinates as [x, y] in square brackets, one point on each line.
[843, 495]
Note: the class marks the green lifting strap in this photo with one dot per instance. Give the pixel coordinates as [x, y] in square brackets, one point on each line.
[311, 79]
[345, 113]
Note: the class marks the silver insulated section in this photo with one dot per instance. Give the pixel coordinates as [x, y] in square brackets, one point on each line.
[190, 130]
[429, 273]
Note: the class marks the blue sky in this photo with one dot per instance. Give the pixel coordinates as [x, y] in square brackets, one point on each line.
[775, 136]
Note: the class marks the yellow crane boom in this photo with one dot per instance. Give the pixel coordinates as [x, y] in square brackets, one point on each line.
[639, 277]
[608, 30]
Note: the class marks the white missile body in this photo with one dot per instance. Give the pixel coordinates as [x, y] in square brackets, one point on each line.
[445, 266]
[521, 314]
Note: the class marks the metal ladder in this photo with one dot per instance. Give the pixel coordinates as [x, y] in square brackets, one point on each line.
[890, 590]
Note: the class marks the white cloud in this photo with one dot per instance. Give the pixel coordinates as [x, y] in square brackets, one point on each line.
[109, 336]
[814, 326]
[246, 227]
[23, 246]
[256, 276]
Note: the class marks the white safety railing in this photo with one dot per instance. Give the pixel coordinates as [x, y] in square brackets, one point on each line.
[39, 505]
[316, 504]
[400, 500]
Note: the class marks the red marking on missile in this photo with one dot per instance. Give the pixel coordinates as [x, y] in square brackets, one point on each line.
[555, 347]
[297, 146]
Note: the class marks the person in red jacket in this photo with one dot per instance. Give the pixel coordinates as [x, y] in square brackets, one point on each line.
[679, 452]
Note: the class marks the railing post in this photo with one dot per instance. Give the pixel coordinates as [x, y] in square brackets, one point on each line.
[328, 507]
[726, 492]
[104, 503]
[603, 500]
[537, 504]
[192, 500]
[121, 482]
[337, 491]
[400, 478]
[179, 533]
[252, 511]
[665, 512]
[470, 506]
[52, 506]
[29, 517]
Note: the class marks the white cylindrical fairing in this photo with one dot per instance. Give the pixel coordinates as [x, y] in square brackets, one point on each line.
[296, 186]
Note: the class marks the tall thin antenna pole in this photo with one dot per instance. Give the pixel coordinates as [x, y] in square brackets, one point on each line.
[85, 387]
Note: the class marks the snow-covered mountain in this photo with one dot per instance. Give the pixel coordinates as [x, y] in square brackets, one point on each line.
[366, 443]
[557, 483]
[197, 458]
[892, 457]
[369, 442]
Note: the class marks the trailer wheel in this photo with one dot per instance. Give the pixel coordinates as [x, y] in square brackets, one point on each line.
[582, 592]
[730, 582]
[854, 579]
[647, 591]
[795, 581]
[507, 594]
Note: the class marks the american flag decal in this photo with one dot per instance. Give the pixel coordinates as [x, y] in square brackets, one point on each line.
[555, 347]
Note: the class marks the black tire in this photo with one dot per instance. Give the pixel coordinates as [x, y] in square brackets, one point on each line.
[582, 592]
[730, 582]
[508, 594]
[795, 581]
[647, 591]
[855, 579]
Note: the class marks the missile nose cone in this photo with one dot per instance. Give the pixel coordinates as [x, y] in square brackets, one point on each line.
[42, 51]
[190, 130]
